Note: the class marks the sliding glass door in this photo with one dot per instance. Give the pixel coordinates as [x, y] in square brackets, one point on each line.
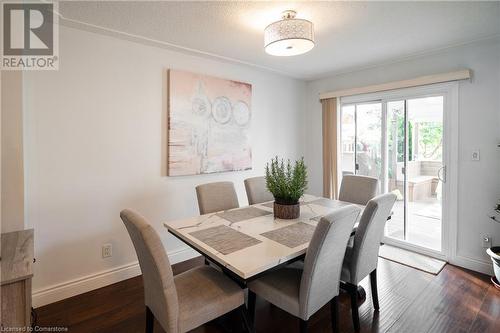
[396, 161]
[425, 171]
[400, 142]
[361, 144]
[368, 139]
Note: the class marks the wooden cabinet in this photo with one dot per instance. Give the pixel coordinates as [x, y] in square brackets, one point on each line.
[16, 274]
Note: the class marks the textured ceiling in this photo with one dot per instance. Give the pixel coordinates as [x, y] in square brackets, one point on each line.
[349, 35]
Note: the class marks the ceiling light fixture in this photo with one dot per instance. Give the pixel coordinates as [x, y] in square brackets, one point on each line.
[289, 36]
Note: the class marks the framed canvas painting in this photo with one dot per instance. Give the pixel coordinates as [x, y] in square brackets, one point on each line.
[208, 124]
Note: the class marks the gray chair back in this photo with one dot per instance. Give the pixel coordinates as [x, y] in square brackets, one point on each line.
[323, 262]
[215, 197]
[257, 191]
[160, 294]
[358, 189]
[369, 235]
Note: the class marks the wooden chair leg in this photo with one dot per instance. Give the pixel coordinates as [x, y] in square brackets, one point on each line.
[334, 308]
[246, 319]
[303, 326]
[251, 305]
[373, 285]
[150, 320]
[353, 292]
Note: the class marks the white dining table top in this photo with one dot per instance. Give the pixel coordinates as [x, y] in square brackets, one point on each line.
[267, 253]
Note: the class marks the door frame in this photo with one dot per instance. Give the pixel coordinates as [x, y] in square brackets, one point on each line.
[449, 221]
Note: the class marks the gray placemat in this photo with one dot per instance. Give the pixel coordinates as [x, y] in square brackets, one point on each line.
[224, 239]
[292, 235]
[242, 214]
[319, 217]
[329, 203]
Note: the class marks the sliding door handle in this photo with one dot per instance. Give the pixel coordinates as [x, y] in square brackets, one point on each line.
[442, 174]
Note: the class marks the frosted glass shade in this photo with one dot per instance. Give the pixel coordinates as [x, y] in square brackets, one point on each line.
[289, 37]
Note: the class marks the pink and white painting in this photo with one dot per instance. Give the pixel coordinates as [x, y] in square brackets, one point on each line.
[209, 124]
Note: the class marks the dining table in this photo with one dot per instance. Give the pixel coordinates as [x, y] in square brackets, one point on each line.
[248, 242]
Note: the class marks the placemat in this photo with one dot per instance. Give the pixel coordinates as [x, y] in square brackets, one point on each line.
[292, 235]
[329, 203]
[224, 239]
[242, 214]
[411, 259]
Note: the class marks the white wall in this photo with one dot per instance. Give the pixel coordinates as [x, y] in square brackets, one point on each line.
[95, 144]
[12, 185]
[479, 128]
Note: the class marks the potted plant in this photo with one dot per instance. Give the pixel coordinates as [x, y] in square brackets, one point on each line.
[494, 252]
[287, 184]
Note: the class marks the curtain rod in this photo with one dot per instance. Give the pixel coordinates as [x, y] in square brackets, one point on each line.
[464, 74]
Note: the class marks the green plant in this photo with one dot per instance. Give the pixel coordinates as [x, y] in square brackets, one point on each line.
[431, 140]
[286, 183]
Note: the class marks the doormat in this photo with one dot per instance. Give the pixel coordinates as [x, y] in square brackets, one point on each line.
[411, 259]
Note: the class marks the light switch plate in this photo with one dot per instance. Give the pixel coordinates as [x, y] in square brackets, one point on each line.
[475, 155]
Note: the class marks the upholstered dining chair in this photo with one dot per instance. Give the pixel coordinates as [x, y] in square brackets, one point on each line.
[183, 302]
[302, 292]
[358, 189]
[257, 191]
[214, 197]
[361, 259]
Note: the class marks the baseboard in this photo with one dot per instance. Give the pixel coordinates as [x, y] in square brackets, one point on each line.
[98, 280]
[481, 266]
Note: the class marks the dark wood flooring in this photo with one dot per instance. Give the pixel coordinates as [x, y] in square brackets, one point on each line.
[456, 300]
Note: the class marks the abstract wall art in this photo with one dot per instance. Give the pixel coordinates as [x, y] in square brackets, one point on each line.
[208, 124]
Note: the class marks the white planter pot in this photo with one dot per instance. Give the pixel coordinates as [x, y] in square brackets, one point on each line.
[494, 252]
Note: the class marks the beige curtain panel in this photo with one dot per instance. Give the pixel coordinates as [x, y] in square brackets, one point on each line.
[330, 182]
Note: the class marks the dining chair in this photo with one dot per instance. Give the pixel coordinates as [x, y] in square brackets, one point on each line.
[183, 302]
[215, 197]
[358, 189]
[302, 292]
[361, 259]
[257, 191]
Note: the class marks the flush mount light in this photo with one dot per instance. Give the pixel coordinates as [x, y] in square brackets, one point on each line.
[290, 36]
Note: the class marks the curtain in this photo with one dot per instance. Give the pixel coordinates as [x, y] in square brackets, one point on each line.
[330, 182]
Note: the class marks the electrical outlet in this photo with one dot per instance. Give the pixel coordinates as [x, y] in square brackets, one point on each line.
[107, 250]
[486, 241]
[475, 155]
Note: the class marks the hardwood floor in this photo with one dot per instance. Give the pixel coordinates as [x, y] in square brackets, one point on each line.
[456, 300]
